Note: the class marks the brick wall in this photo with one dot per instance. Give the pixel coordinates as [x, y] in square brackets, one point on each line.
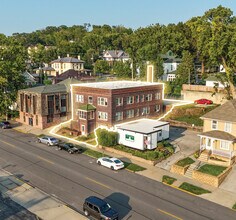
[179, 169]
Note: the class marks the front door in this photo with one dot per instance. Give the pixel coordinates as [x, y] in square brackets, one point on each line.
[83, 129]
[209, 143]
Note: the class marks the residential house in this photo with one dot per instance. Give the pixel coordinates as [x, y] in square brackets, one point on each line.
[213, 81]
[218, 139]
[142, 134]
[115, 55]
[30, 79]
[114, 102]
[44, 106]
[61, 65]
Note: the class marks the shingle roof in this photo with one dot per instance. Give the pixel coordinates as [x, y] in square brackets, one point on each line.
[173, 60]
[47, 89]
[225, 112]
[212, 78]
[222, 135]
[67, 60]
[68, 82]
[117, 53]
[87, 107]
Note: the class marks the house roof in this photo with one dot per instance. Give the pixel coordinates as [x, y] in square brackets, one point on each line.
[67, 60]
[144, 126]
[116, 84]
[87, 107]
[48, 68]
[225, 112]
[173, 60]
[212, 78]
[47, 89]
[68, 82]
[117, 53]
[222, 135]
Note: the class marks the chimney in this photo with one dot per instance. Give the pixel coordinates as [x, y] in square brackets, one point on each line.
[59, 57]
[78, 57]
[68, 55]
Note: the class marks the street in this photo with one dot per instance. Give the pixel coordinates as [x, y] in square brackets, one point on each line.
[72, 178]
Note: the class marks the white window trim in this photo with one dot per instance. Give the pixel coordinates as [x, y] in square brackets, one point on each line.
[121, 101]
[103, 114]
[226, 147]
[130, 100]
[215, 124]
[230, 127]
[104, 99]
[119, 116]
[79, 98]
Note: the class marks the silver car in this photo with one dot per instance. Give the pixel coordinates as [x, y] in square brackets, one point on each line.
[50, 141]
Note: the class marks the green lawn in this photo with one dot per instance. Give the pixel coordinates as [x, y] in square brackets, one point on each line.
[185, 161]
[193, 189]
[212, 169]
[234, 206]
[168, 179]
[133, 167]
[190, 120]
[93, 153]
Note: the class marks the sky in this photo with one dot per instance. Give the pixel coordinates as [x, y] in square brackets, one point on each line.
[18, 16]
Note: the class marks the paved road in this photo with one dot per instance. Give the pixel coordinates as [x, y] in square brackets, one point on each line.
[74, 177]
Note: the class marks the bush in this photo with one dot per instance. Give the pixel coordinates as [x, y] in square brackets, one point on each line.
[197, 154]
[82, 138]
[107, 138]
[169, 180]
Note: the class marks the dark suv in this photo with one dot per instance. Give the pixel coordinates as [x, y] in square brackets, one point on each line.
[5, 124]
[69, 147]
[99, 209]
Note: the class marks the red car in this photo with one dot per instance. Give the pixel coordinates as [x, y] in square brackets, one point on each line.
[203, 101]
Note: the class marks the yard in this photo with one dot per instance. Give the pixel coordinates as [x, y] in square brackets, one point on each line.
[193, 189]
[184, 162]
[213, 170]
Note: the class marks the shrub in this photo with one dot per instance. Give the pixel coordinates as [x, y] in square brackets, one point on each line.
[107, 138]
[169, 180]
[170, 149]
[197, 154]
[82, 138]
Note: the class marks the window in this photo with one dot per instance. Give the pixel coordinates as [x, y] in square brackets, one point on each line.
[50, 105]
[80, 98]
[148, 97]
[102, 101]
[158, 96]
[157, 108]
[129, 137]
[82, 115]
[119, 116]
[91, 115]
[145, 110]
[103, 116]
[63, 103]
[130, 100]
[228, 127]
[137, 98]
[224, 145]
[130, 113]
[83, 128]
[214, 125]
[90, 100]
[119, 101]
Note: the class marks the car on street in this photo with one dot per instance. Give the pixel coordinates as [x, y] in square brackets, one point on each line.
[99, 209]
[110, 162]
[5, 124]
[203, 101]
[50, 141]
[69, 147]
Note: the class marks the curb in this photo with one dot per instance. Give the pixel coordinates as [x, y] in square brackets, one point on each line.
[175, 187]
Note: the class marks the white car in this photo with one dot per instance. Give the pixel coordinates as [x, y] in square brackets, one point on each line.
[110, 162]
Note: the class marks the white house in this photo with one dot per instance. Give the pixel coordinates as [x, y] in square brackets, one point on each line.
[212, 81]
[115, 55]
[143, 134]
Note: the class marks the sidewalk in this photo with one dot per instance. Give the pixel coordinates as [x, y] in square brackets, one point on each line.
[221, 196]
[34, 200]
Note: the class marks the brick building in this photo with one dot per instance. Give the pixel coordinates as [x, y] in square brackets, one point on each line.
[44, 106]
[110, 103]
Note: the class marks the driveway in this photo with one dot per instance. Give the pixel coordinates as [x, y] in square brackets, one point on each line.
[186, 143]
[229, 183]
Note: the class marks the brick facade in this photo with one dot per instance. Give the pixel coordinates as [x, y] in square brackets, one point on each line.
[146, 96]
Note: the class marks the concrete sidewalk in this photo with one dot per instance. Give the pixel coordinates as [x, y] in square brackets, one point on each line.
[221, 196]
[36, 201]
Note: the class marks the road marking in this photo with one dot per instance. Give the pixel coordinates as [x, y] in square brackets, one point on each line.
[101, 184]
[41, 158]
[8, 144]
[167, 213]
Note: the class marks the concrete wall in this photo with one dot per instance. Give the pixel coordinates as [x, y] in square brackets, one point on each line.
[178, 169]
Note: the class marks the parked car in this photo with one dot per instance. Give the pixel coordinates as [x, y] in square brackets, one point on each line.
[110, 162]
[50, 141]
[5, 124]
[203, 101]
[69, 147]
[99, 209]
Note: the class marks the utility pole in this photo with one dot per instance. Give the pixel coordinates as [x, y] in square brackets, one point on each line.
[189, 76]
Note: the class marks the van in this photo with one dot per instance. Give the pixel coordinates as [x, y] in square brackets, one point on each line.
[99, 209]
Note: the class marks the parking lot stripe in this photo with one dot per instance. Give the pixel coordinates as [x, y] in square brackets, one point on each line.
[41, 158]
[167, 213]
[8, 144]
[101, 184]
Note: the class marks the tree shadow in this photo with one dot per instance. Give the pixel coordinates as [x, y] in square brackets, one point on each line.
[120, 202]
[176, 132]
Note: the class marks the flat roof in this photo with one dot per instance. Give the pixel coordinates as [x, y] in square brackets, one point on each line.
[116, 84]
[144, 126]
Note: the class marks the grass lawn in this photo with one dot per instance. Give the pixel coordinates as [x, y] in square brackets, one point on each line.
[212, 169]
[168, 179]
[185, 161]
[190, 120]
[93, 153]
[133, 167]
[234, 206]
[93, 142]
[193, 189]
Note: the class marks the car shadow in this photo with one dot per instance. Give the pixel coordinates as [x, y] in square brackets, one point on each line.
[120, 202]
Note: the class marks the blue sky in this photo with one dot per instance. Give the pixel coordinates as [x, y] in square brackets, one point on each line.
[30, 15]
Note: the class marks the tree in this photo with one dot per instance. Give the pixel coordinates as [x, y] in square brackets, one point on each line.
[12, 65]
[122, 70]
[102, 66]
